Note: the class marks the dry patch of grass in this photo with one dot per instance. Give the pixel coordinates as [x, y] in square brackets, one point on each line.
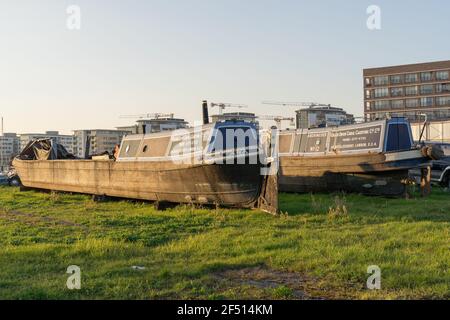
[282, 284]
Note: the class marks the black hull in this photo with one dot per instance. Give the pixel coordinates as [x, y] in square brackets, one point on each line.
[376, 184]
[369, 174]
[238, 185]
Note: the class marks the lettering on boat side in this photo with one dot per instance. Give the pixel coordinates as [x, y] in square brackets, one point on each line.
[357, 139]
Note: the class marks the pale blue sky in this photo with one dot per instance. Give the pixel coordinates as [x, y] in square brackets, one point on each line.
[139, 56]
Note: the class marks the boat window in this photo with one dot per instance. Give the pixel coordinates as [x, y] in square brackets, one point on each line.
[398, 137]
[130, 148]
[241, 137]
[145, 148]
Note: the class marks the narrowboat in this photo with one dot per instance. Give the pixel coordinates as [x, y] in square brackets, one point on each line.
[369, 158]
[217, 163]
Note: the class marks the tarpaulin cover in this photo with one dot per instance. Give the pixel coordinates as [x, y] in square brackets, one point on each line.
[44, 149]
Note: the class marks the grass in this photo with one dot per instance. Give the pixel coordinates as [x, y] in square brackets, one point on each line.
[320, 246]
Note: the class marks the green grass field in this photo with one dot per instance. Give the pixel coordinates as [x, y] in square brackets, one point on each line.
[319, 248]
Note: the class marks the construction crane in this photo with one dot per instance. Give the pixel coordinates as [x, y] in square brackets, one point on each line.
[222, 106]
[278, 119]
[148, 116]
[297, 104]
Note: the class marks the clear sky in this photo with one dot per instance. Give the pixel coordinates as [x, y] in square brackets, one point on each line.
[142, 56]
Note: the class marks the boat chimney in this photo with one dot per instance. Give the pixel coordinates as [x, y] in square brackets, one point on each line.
[205, 112]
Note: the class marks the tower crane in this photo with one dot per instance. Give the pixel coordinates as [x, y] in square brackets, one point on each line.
[297, 104]
[222, 106]
[277, 119]
[148, 116]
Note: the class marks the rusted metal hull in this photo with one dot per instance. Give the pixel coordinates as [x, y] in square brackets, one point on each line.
[165, 181]
[373, 174]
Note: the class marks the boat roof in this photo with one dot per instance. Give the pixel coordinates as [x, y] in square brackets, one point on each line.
[349, 126]
[183, 131]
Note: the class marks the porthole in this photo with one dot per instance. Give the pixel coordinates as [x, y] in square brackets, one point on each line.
[127, 148]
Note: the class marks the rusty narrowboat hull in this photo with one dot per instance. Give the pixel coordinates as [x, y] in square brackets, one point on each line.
[373, 174]
[371, 158]
[180, 166]
[228, 185]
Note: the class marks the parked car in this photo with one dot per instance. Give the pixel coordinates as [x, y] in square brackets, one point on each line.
[13, 178]
[440, 172]
[3, 179]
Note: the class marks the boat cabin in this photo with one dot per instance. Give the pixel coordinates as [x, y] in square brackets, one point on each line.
[210, 139]
[388, 135]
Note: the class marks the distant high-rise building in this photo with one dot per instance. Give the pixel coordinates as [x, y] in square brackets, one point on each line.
[9, 147]
[96, 141]
[155, 125]
[410, 91]
[245, 116]
[322, 116]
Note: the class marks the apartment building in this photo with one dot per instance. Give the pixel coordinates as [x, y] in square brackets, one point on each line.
[155, 125]
[9, 147]
[96, 141]
[322, 116]
[244, 116]
[411, 91]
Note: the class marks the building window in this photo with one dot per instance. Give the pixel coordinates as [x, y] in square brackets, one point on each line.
[443, 88]
[443, 101]
[426, 76]
[381, 80]
[426, 89]
[381, 92]
[442, 75]
[380, 116]
[368, 94]
[382, 105]
[397, 92]
[410, 115]
[412, 103]
[397, 104]
[426, 102]
[411, 91]
[368, 105]
[396, 79]
[368, 82]
[411, 78]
